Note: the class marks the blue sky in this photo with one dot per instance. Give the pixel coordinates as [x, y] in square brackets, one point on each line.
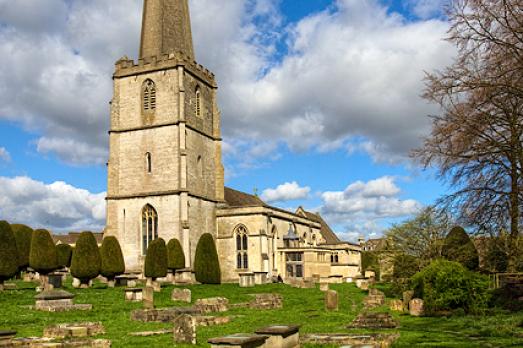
[330, 131]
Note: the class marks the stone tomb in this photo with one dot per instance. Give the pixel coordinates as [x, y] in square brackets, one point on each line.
[281, 336]
[164, 315]
[266, 301]
[184, 276]
[260, 278]
[126, 280]
[74, 330]
[181, 295]
[362, 284]
[184, 330]
[396, 305]
[239, 341]
[210, 305]
[247, 280]
[376, 298]
[134, 294]
[38, 342]
[58, 301]
[370, 320]
[351, 340]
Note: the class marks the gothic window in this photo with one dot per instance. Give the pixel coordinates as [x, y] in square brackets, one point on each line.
[242, 258]
[198, 103]
[149, 95]
[148, 162]
[149, 227]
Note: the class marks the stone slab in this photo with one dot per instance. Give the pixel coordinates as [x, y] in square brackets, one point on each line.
[239, 340]
[54, 295]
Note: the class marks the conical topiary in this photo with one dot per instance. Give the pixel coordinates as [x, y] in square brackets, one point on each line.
[175, 255]
[42, 257]
[459, 247]
[112, 259]
[206, 262]
[8, 253]
[65, 253]
[23, 235]
[156, 259]
[86, 261]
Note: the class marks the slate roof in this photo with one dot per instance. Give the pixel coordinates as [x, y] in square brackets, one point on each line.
[236, 198]
[72, 237]
[326, 231]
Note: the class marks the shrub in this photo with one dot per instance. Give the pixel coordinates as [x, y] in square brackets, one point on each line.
[175, 255]
[86, 261]
[43, 257]
[112, 258]
[64, 253]
[206, 263]
[405, 266]
[446, 285]
[23, 235]
[156, 259]
[8, 253]
[370, 262]
[459, 247]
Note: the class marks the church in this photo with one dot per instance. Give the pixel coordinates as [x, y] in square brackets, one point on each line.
[166, 177]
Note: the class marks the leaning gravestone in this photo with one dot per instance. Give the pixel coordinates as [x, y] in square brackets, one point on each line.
[331, 300]
[184, 329]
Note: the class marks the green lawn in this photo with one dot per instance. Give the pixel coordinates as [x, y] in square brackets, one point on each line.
[301, 306]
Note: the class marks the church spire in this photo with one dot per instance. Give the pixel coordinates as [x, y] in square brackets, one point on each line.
[166, 28]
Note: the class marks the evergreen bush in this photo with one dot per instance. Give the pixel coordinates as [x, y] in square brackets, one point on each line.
[64, 253]
[175, 255]
[112, 258]
[206, 262]
[43, 257]
[156, 259]
[86, 261]
[23, 235]
[8, 253]
[459, 247]
[446, 285]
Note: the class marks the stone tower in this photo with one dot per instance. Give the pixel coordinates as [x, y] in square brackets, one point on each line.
[165, 175]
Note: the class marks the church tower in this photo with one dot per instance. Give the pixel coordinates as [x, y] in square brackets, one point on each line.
[165, 174]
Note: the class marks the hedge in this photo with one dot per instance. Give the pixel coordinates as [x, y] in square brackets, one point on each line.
[65, 253]
[459, 247]
[206, 262]
[43, 257]
[156, 259]
[112, 258]
[23, 235]
[86, 262]
[175, 255]
[8, 253]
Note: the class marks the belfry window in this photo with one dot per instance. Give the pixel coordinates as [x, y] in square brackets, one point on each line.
[198, 103]
[242, 258]
[148, 162]
[149, 227]
[149, 95]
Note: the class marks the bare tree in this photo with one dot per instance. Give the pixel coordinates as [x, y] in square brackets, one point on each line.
[476, 142]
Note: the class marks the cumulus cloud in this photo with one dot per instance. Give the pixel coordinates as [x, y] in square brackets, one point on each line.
[354, 70]
[4, 155]
[363, 205]
[427, 8]
[58, 206]
[289, 191]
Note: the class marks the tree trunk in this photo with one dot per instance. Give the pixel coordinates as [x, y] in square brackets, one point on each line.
[514, 210]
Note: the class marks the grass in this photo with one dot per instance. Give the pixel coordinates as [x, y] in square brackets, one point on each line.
[301, 306]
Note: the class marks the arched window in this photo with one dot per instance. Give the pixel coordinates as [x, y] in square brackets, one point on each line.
[199, 165]
[149, 227]
[148, 162]
[149, 95]
[242, 258]
[198, 102]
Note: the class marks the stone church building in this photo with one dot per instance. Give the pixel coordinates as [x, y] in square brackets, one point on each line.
[165, 172]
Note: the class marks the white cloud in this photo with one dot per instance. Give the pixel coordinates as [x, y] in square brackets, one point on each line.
[355, 70]
[362, 206]
[427, 8]
[4, 155]
[58, 206]
[286, 192]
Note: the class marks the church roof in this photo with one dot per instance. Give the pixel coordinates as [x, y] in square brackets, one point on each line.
[326, 231]
[236, 198]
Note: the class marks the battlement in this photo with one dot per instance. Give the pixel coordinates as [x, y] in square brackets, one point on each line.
[128, 67]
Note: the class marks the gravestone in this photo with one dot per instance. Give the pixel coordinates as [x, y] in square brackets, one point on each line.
[416, 307]
[407, 296]
[324, 286]
[396, 305]
[331, 300]
[148, 297]
[184, 330]
[157, 287]
[181, 295]
[370, 320]
[214, 304]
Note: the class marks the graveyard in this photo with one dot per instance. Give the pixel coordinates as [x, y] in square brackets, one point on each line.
[112, 317]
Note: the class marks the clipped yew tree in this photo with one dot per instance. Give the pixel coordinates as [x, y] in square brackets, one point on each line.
[175, 255]
[156, 260]
[8, 254]
[86, 261]
[112, 259]
[459, 247]
[64, 253]
[206, 262]
[23, 236]
[43, 256]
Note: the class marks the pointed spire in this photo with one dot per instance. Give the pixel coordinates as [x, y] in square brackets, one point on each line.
[166, 28]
